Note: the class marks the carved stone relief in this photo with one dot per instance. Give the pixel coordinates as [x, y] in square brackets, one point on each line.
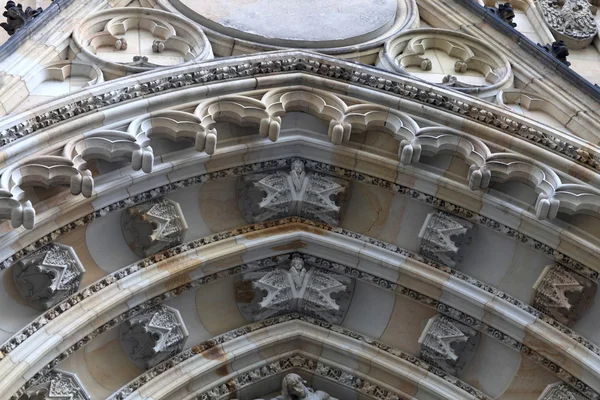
[570, 21]
[563, 294]
[310, 291]
[293, 387]
[448, 344]
[153, 336]
[153, 226]
[56, 385]
[48, 276]
[560, 391]
[294, 193]
[443, 237]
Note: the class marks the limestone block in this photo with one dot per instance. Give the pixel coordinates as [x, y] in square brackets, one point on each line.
[153, 226]
[563, 294]
[448, 344]
[153, 336]
[443, 237]
[57, 385]
[48, 276]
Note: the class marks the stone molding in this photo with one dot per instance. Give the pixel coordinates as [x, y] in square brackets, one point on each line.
[563, 294]
[57, 385]
[443, 237]
[153, 226]
[441, 307]
[153, 336]
[448, 344]
[48, 276]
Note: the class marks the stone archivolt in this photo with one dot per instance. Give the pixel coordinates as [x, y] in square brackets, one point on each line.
[309, 291]
[448, 344]
[298, 192]
[49, 276]
[563, 294]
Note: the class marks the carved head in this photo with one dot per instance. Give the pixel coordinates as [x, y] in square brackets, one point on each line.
[297, 263]
[294, 386]
[298, 166]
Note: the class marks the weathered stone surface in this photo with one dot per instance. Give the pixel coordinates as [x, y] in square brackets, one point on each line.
[563, 294]
[56, 385]
[443, 237]
[311, 291]
[154, 336]
[153, 226]
[448, 344]
[48, 276]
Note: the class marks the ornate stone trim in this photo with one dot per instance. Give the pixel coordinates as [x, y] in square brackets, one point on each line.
[560, 391]
[226, 337]
[298, 61]
[327, 265]
[57, 385]
[443, 237]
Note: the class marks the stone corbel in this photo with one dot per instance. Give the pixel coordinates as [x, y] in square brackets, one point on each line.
[56, 385]
[443, 237]
[560, 391]
[563, 294]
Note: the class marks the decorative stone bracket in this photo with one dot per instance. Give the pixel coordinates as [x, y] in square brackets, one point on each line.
[56, 385]
[560, 391]
[266, 293]
[153, 336]
[153, 226]
[448, 344]
[443, 237]
[563, 294]
[48, 276]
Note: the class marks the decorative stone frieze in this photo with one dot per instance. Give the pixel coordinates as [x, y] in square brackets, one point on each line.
[16, 17]
[48, 276]
[294, 387]
[153, 226]
[56, 385]
[570, 21]
[297, 192]
[448, 344]
[563, 294]
[443, 237]
[560, 391]
[274, 291]
[153, 336]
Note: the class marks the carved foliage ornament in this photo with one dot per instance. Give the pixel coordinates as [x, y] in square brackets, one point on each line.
[153, 226]
[56, 385]
[273, 291]
[48, 276]
[448, 344]
[16, 17]
[443, 236]
[570, 21]
[563, 294]
[153, 336]
[294, 193]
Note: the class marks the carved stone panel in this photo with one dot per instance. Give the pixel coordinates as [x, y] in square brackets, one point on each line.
[297, 192]
[48, 276]
[560, 391]
[448, 344]
[443, 237]
[56, 385]
[309, 290]
[570, 21]
[563, 294]
[154, 336]
[153, 226]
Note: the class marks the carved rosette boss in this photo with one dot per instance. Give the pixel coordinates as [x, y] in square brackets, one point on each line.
[56, 385]
[443, 237]
[295, 193]
[448, 344]
[310, 291]
[563, 294]
[153, 336]
[48, 276]
[153, 226]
